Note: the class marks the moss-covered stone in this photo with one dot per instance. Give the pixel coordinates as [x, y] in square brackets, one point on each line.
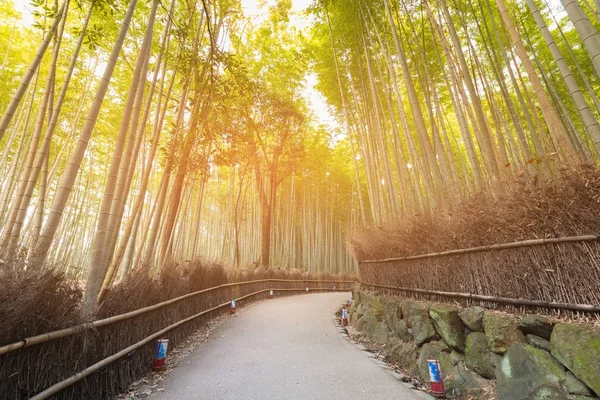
[380, 333]
[472, 317]
[355, 315]
[478, 355]
[456, 357]
[448, 325]
[577, 347]
[536, 325]
[392, 311]
[372, 301]
[538, 342]
[392, 306]
[441, 346]
[575, 386]
[422, 328]
[406, 306]
[406, 355]
[457, 376]
[501, 331]
[548, 392]
[377, 308]
[369, 322]
[495, 359]
[529, 373]
[401, 331]
[359, 324]
[368, 298]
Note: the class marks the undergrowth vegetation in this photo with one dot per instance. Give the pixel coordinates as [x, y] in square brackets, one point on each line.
[562, 205]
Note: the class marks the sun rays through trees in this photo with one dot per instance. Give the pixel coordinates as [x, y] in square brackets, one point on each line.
[136, 133]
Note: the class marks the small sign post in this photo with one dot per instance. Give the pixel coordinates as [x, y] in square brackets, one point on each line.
[435, 377]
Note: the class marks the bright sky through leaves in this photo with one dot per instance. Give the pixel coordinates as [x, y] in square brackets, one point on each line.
[252, 8]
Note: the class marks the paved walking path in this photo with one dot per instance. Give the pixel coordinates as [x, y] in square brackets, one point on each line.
[285, 348]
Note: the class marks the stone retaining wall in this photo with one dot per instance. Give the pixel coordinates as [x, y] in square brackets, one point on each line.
[531, 357]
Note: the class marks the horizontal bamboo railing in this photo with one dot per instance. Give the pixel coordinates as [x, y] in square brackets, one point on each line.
[493, 247]
[46, 337]
[494, 299]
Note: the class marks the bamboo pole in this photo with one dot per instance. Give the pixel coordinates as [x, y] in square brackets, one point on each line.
[493, 247]
[504, 300]
[46, 337]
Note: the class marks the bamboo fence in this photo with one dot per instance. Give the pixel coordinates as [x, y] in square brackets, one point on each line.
[559, 275]
[51, 364]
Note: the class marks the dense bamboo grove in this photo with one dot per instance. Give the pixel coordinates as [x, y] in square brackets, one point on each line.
[144, 131]
[137, 132]
[443, 99]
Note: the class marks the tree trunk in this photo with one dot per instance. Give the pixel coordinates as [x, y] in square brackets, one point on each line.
[265, 236]
[16, 99]
[429, 159]
[587, 32]
[554, 124]
[97, 267]
[66, 186]
[589, 121]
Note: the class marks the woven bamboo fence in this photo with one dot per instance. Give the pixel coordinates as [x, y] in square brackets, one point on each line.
[557, 276]
[98, 359]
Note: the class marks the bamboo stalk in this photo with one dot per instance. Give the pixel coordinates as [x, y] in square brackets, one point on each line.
[493, 247]
[504, 300]
[46, 337]
[95, 367]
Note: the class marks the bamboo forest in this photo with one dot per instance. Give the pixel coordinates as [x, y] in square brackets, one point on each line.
[404, 187]
[258, 133]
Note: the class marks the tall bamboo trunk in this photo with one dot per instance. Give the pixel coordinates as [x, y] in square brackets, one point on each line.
[555, 126]
[586, 30]
[97, 267]
[24, 84]
[429, 159]
[265, 236]
[589, 121]
[66, 186]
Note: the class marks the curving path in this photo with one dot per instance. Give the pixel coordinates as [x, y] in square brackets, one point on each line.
[285, 348]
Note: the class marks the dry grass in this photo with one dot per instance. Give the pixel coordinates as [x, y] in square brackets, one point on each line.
[566, 205]
[34, 303]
